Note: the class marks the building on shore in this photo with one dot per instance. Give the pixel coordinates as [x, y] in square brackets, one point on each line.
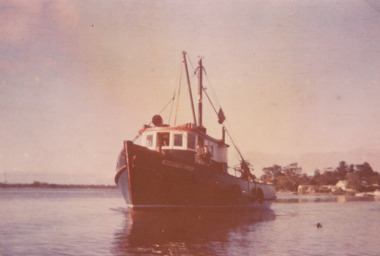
[341, 187]
[314, 189]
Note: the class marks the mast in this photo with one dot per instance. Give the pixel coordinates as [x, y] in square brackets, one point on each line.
[188, 83]
[200, 89]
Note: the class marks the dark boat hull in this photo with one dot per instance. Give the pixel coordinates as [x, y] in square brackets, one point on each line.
[149, 178]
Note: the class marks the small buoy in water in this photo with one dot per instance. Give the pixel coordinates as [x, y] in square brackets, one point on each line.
[319, 225]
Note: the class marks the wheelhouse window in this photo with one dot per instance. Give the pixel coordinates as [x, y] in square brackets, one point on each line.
[178, 140]
[149, 140]
[191, 140]
[163, 139]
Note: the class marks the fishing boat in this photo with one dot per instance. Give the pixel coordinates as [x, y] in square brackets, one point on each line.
[183, 166]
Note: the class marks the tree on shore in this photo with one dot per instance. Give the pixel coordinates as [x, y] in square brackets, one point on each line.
[271, 174]
[342, 170]
[360, 177]
[284, 178]
[293, 173]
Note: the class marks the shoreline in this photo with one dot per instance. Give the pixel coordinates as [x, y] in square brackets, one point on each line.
[89, 186]
[50, 185]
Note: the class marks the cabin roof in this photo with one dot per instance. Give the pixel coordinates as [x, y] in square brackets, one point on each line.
[189, 127]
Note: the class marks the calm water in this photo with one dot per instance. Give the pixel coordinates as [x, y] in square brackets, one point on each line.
[95, 222]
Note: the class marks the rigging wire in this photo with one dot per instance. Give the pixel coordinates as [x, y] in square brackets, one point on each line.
[233, 142]
[212, 89]
[239, 154]
[167, 104]
[162, 110]
[177, 80]
[191, 63]
[228, 133]
[171, 109]
[212, 105]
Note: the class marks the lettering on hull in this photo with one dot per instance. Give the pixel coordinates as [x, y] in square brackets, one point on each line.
[178, 165]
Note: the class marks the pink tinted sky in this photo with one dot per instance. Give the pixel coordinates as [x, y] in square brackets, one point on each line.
[298, 80]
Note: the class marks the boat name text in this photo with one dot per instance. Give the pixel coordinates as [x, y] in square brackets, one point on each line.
[177, 165]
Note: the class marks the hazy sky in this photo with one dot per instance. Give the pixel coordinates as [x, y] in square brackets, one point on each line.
[298, 80]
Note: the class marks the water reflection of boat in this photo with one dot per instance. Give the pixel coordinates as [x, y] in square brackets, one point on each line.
[182, 165]
[192, 231]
